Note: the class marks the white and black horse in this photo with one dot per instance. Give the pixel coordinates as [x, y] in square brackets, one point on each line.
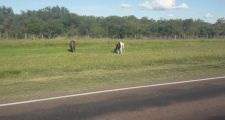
[119, 48]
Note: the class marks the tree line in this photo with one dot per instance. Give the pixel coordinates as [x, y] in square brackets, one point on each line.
[56, 21]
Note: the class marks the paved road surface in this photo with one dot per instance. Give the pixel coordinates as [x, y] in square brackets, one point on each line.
[203, 100]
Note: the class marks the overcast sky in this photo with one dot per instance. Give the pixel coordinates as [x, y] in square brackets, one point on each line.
[208, 10]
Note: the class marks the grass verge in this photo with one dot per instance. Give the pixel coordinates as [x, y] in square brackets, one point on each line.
[39, 68]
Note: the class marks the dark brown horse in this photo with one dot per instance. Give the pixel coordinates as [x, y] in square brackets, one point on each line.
[72, 45]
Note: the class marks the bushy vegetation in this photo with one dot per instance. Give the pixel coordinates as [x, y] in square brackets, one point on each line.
[50, 22]
[44, 67]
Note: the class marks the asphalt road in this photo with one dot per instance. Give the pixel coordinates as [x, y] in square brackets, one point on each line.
[203, 100]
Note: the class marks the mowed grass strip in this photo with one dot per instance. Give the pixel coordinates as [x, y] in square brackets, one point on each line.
[44, 67]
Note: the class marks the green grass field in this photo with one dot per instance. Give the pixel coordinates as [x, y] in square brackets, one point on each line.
[38, 68]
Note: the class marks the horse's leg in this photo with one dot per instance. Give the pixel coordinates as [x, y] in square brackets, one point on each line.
[72, 49]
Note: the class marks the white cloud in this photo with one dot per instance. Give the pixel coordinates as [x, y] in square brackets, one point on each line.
[125, 5]
[162, 5]
[209, 15]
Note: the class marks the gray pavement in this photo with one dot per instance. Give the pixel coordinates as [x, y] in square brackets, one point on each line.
[189, 101]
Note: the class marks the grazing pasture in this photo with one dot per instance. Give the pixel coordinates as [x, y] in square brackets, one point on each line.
[38, 68]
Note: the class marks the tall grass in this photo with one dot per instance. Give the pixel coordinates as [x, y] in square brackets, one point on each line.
[41, 67]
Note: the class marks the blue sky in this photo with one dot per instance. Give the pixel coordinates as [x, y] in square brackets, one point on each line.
[208, 10]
